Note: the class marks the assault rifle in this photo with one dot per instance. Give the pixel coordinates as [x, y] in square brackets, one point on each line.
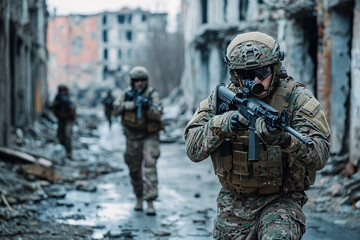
[140, 101]
[252, 108]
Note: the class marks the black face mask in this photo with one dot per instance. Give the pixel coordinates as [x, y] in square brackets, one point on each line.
[260, 73]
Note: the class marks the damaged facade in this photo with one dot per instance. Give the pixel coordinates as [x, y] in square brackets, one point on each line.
[98, 50]
[321, 41]
[23, 64]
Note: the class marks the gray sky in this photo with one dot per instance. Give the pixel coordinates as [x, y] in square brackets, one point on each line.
[65, 7]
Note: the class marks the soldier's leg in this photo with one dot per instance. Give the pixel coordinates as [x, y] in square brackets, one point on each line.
[133, 158]
[61, 132]
[151, 154]
[282, 219]
[108, 116]
[234, 219]
[67, 138]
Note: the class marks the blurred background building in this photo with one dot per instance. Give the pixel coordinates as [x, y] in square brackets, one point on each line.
[92, 53]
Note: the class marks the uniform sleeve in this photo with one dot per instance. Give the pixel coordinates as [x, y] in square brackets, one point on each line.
[205, 131]
[155, 112]
[308, 119]
[118, 105]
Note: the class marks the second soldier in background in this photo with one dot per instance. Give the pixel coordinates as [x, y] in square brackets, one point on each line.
[141, 110]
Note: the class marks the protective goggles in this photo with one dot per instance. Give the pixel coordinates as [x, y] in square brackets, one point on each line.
[139, 79]
[261, 73]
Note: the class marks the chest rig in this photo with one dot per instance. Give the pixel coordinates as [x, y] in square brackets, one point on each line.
[265, 176]
[143, 124]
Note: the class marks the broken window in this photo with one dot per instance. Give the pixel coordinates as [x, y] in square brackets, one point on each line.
[119, 53]
[224, 10]
[129, 36]
[120, 35]
[105, 36]
[104, 19]
[243, 7]
[204, 11]
[105, 54]
[121, 18]
[144, 18]
[105, 72]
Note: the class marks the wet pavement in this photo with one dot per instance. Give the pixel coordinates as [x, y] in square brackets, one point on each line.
[185, 208]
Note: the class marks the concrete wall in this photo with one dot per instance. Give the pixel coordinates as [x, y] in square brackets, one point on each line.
[355, 89]
[22, 63]
[73, 51]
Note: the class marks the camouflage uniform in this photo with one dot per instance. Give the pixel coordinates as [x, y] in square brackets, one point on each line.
[142, 143]
[65, 110]
[251, 205]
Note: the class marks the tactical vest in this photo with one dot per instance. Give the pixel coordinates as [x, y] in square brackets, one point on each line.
[129, 119]
[275, 171]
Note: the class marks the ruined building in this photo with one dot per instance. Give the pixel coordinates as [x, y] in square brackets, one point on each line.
[23, 63]
[97, 50]
[321, 40]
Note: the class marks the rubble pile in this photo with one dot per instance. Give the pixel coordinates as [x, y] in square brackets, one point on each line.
[34, 168]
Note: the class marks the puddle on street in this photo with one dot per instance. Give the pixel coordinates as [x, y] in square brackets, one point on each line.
[110, 208]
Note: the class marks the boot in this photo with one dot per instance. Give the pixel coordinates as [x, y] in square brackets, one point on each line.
[150, 208]
[139, 204]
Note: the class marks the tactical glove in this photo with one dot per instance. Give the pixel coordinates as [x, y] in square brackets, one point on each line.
[237, 123]
[129, 105]
[146, 105]
[272, 136]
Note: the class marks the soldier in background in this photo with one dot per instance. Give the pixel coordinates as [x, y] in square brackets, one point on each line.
[108, 106]
[65, 110]
[261, 199]
[140, 110]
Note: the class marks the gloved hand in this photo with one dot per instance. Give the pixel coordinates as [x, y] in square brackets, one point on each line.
[273, 136]
[146, 105]
[129, 105]
[237, 123]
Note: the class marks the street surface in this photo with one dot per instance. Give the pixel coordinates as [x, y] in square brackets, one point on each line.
[185, 208]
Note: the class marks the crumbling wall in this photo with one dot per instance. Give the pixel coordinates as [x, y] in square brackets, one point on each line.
[5, 74]
[22, 63]
[340, 80]
[355, 89]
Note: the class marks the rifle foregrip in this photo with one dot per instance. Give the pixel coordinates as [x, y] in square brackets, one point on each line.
[138, 112]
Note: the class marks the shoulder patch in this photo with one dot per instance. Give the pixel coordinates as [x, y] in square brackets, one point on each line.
[312, 111]
[311, 107]
[204, 105]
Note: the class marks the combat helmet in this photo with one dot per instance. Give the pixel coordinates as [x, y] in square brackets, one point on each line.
[138, 72]
[63, 87]
[254, 50]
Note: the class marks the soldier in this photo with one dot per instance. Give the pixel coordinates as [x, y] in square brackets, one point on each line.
[65, 110]
[141, 110]
[108, 106]
[261, 199]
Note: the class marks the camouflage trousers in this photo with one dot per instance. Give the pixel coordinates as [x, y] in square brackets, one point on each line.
[259, 217]
[108, 115]
[64, 133]
[141, 157]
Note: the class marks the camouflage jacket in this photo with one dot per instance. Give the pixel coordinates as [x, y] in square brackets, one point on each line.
[206, 130]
